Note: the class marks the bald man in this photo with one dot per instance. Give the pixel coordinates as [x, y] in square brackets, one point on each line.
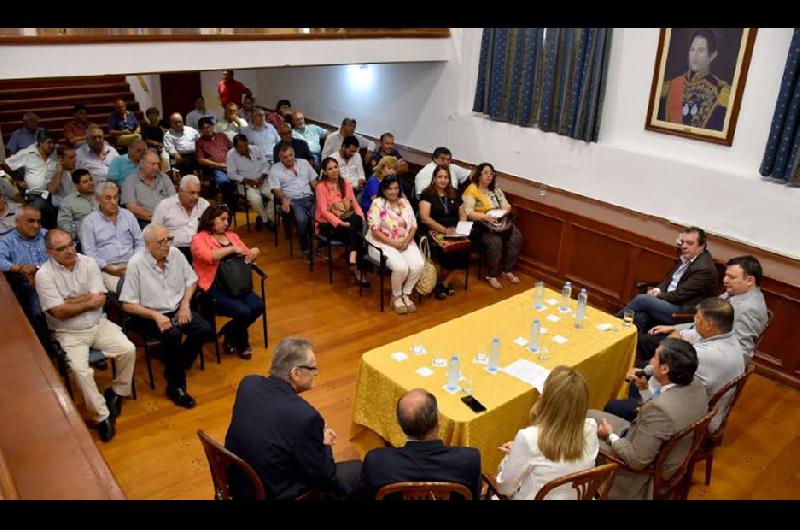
[96, 155]
[123, 127]
[424, 457]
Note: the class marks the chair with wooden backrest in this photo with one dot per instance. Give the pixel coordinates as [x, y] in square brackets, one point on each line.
[675, 486]
[219, 461]
[714, 439]
[424, 491]
[770, 316]
[594, 483]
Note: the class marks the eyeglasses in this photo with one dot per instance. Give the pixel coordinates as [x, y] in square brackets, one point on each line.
[71, 244]
[166, 240]
[312, 368]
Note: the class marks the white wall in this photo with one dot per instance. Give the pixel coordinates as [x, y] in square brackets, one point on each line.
[149, 95]
[208, 85]
[686, 181]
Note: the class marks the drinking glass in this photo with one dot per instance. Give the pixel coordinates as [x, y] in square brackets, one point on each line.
[544, 353]
[466, 385]
[627, 318]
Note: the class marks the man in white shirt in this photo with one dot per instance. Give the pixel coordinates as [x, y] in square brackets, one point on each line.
[248, 167]
[334, 140]
[180, 142]
[200, 111]
[351, 166]
[72, 296]
[157, 289]
[180, 214]
[231, 124]
[441, 157]
[262, 134]
[96, 155]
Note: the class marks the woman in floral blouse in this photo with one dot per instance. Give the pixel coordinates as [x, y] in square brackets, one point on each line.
[391, 228]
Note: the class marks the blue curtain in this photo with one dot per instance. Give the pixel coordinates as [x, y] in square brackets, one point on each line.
[554, 82]
[782, 155]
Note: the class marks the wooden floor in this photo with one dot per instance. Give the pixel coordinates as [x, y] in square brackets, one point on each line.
[157, 455]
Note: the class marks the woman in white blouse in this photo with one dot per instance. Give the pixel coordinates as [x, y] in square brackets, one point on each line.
[561, 440]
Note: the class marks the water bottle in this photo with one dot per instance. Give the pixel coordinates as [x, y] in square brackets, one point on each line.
[566, 295]
[533, 340]
[453, 373]
[538, 295]
[494, 354]
[165, 166]
[580, 313]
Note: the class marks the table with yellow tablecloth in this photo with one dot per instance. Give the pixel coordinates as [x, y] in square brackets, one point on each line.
[602, 357]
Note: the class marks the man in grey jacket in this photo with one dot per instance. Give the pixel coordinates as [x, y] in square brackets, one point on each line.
[742, 280]
[673, 400]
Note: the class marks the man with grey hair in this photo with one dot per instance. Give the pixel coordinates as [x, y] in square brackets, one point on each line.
[122, 166]
[26, 135]
[158, 287]
[333, 142]
[72, 296]
[282, 436]
[180, 214]
[424, 458]
[146, 187]
[262, 134]
[96, 154]
[180, 141]
[110, 235]
[249, 168]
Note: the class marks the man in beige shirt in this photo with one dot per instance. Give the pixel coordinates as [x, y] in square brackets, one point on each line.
[72, 296]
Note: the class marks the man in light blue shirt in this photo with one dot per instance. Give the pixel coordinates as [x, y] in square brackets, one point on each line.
[111, 235]
[26, 135]
[262, 135]
[314, 135]
[293, 182]
[122, 166]
[21, 252]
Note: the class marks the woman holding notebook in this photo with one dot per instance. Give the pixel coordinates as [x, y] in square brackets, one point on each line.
[487, 206]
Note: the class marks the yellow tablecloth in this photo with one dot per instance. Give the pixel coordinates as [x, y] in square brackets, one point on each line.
[602, 357]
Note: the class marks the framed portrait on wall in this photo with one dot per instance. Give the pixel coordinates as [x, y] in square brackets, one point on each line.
[698, 82]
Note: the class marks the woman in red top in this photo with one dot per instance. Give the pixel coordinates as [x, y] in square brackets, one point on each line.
[212, 243]
[338, 214]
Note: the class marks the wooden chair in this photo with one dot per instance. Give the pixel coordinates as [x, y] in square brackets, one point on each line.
[219, 461]
[714, 439]
[675, 486]
[770, 316]
[424, 491]
[594, 483]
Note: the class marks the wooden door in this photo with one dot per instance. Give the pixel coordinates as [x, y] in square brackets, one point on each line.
[178, 92]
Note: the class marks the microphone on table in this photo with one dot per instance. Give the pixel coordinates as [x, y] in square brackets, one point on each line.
[646, 372]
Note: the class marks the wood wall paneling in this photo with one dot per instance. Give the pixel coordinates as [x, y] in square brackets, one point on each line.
[598, 261]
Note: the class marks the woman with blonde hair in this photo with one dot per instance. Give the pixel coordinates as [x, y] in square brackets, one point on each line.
[388, 166]
[561, 440]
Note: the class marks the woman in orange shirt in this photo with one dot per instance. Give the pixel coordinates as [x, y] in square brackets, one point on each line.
[338, 214]
[212, 243]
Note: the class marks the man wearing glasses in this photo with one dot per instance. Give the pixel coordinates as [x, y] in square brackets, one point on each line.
[158, 286]
[282, 436]
[72, 296]
[111, 235]
[21, 252]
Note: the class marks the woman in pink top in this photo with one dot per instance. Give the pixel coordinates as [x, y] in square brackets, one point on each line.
[212, 243]
[338, 214]
[391, 228]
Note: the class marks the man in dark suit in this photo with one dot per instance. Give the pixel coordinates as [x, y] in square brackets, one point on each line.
[673, 400]
[693, 279]
[282, 436]
[424, 458]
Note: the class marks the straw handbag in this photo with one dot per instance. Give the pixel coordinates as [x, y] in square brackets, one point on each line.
[428, 278]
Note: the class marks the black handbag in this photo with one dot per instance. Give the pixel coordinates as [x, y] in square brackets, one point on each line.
[234, 276]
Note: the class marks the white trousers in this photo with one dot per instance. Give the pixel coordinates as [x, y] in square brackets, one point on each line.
[406, 266]
[110, 281]
[253, 196]
[108, 338]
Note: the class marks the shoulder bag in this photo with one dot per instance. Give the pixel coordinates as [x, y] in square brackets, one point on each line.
[235, 276]
[428, 279]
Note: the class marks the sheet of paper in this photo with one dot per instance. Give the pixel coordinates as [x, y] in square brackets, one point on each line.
[528, 372]
[425, 371]
[497, 213]
[553, 318]
[521, 341]
[463, 228]
[559, 339]
[551, 301]
[481, 358]
[439, 362]
[542, 331]
[419, 349]
[399, 356]
[605, 327]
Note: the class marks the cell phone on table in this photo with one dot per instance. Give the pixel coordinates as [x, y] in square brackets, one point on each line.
[473, 403]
